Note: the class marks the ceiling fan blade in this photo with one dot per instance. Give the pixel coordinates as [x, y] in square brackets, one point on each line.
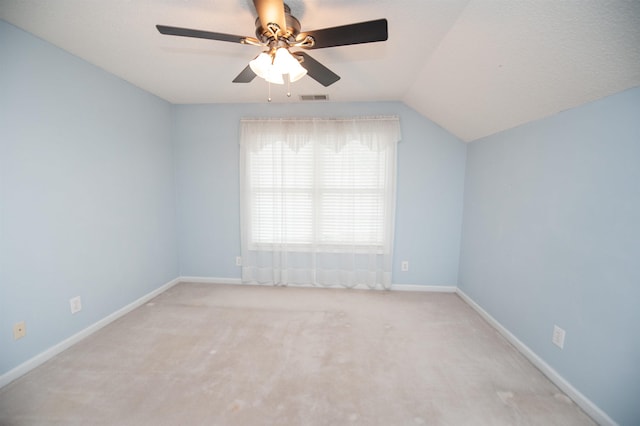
[187, 32]
[317, 71]
[246, 76]
[271, 12]
[362, 32]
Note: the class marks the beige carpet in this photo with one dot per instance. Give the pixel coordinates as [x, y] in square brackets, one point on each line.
[202, 354]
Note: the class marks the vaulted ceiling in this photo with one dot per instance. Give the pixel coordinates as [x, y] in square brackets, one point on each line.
[475, 67]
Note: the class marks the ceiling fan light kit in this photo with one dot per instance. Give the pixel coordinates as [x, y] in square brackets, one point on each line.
[277, 31]
[272, 66]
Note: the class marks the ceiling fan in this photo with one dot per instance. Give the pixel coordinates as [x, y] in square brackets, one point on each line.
[277, 31]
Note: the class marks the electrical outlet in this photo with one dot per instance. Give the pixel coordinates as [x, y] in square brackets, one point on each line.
[19, 330]
[404, 266]
[75, 304]
[238, 261]
[558, 336]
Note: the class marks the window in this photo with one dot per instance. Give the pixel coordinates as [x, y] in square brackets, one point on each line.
[317, 195]
[318, 186]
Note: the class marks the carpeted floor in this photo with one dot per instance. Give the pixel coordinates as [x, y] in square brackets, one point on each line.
[202, 354]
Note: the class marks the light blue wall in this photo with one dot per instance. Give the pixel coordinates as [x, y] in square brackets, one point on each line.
[551, 235]
[429, 202]
[86, 194]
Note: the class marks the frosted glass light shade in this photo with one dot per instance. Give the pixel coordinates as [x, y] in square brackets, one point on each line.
[281, 60]
[288, 64]
[296, 72]
[274, 76]
[261, 64]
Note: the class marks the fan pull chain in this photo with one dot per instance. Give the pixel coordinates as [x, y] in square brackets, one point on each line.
[288, 87]
[269, 98]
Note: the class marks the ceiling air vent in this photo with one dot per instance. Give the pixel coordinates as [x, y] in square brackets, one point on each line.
[314, 97]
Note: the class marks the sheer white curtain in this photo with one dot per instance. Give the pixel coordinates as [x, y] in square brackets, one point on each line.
[318, 200]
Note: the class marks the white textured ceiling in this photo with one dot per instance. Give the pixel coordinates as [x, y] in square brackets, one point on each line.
[475, 67]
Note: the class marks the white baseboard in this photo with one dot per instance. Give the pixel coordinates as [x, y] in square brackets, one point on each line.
[209, 280]
[42, 357]
[427, 288]
[582, 401]
[394, 287]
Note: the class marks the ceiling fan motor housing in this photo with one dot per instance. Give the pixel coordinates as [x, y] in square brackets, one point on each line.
[266, 35]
